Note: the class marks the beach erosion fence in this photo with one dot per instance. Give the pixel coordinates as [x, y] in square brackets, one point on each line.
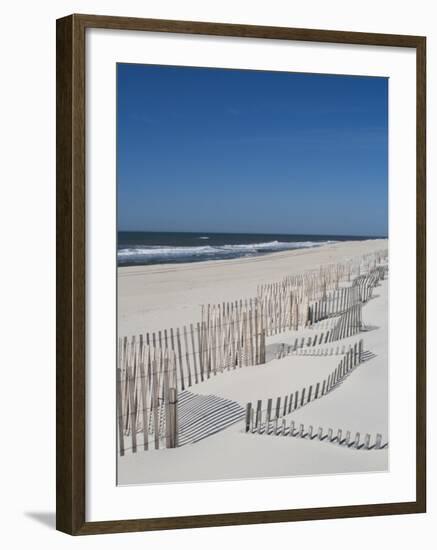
[261, 417]
[268, 417]
[146, 398]
[340, 437]
[154, 367]
[301, 301]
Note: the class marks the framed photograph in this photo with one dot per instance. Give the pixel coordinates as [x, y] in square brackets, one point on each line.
[240, 274]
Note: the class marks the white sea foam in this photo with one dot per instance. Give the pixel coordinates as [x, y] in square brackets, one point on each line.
[174, 253]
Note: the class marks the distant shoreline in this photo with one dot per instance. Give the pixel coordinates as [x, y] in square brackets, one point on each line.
[153, 248]
[295, 252]
[153, 296]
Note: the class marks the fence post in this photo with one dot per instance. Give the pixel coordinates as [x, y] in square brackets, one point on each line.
[302, 397]
[258, 414]
[378, 441]
[284, 412]
[290, 403]
[278, 407]
[310, 391]
[269, 412]
[173, 418]
[248, 416]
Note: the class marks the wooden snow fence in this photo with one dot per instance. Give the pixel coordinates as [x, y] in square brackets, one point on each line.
[366, 283]
[349, 324]
[281, 309]
[154, 367]
[315, 283]
[146, 397]
[287, 307]
[344, 300]
[340, 437]
[260, 417]
[232, 335]
[333, 304]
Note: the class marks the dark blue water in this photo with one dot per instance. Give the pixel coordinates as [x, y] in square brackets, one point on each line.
[145, 248]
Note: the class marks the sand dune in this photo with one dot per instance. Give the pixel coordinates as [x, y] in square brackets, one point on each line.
[158, 296]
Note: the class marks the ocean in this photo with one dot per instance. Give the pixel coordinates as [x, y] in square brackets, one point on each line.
[147, 248]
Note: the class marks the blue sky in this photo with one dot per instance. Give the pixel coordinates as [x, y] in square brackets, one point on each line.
[217, 150]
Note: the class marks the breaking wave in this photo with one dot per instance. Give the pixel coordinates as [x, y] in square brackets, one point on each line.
[169, 254]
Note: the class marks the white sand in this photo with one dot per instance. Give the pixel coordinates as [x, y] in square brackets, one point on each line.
[157, 297]
[361, 402]
[230, 455]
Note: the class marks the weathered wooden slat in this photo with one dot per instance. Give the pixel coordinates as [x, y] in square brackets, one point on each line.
[133, 412]
[145, 419]
[187, 356]
[120, 413]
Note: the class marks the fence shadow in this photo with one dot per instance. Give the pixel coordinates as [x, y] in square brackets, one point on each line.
[203, 415]
[367, 356]
[369, 328]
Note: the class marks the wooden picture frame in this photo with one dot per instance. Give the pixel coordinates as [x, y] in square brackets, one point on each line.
[71, 248]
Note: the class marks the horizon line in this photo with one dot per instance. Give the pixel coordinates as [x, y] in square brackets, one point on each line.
[254, 233]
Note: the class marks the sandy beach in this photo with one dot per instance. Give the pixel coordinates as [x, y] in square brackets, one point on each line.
[155, 297]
